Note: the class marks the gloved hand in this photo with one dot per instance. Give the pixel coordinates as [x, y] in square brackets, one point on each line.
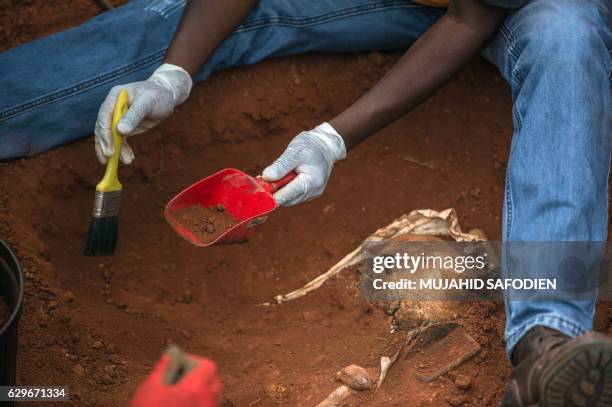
[150, 101]
[312, 154]
[180, 380]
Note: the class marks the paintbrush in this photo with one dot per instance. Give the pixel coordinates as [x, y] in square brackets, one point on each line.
[103, 228]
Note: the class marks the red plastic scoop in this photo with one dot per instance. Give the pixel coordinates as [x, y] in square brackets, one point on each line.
[248, 200]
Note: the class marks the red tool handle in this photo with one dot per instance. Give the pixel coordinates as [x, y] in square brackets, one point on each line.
[273, 186]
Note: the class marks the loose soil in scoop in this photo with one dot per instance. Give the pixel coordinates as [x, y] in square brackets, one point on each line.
[99, 324]
[5, 312]
[206, 223]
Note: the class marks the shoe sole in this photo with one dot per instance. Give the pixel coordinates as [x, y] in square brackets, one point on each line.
[580, 376]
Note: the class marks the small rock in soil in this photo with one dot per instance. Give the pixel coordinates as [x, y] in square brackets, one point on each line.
[276, 391]
[463, 382]
[104, 378]
[78, 370]
[68, 297]
[109, 369]
[355, 377]
[457, 401]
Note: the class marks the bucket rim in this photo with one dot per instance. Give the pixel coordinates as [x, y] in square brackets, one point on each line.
[13, 262]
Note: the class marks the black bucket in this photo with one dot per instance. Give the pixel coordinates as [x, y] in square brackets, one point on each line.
[11, 291]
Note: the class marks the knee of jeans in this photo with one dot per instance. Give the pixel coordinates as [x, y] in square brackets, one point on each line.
[569, 33]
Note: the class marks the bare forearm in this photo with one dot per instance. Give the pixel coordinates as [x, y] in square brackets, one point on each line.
[204, 25]
[423, 69]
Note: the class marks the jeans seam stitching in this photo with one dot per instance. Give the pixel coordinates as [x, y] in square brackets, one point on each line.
[335, 15]
[508, 202]
[510, 39]
[83, 86]
[511, 46]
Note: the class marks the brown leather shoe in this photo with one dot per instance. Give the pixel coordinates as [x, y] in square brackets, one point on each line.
[550, 369]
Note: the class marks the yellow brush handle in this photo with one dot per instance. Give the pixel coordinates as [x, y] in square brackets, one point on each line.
[110, 182]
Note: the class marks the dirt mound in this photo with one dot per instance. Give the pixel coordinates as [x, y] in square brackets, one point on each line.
[98, 324]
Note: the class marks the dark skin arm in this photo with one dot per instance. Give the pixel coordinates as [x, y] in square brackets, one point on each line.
[204, 25]
[425, 67]
[431, 61]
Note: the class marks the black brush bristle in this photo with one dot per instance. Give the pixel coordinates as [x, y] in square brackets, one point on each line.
[102, 236]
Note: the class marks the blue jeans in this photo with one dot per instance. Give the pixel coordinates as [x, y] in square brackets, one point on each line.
[555, 54]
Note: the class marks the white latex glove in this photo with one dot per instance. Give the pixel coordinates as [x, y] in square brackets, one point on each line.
[312, 154]
[150, 101]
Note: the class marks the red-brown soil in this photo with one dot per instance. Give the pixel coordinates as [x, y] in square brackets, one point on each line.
[99, 324]
[206, 224]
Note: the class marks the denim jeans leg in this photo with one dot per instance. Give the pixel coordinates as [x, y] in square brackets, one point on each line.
[52, 87]
[556, 56]
[288, 27]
